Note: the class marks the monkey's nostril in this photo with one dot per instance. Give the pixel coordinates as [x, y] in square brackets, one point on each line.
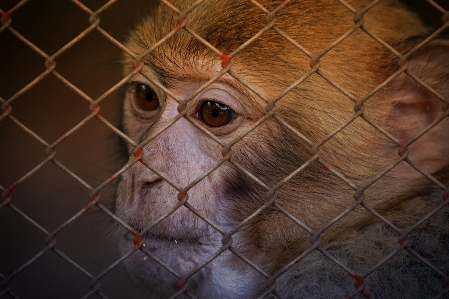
[153, 183]
[145, 189]
[149, 185]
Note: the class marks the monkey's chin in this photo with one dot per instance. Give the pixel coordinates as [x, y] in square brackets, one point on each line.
[223, 275]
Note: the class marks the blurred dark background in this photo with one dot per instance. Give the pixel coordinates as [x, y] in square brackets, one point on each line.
[50, 196]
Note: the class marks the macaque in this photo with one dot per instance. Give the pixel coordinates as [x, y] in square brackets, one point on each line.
[277, 172]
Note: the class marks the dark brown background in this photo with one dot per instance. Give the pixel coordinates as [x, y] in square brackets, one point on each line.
[50, 196]
[50, 109]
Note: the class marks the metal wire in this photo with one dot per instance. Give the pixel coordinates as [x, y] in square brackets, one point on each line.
[7, 111]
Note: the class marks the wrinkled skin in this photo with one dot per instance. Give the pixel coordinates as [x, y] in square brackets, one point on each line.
[270, 151]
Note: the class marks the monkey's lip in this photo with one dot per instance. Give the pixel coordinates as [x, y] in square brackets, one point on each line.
[150, 239]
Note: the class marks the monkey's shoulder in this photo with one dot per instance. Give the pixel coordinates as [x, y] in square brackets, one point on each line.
[391, 265]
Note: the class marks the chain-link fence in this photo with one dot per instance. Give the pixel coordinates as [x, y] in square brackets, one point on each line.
[60, 163]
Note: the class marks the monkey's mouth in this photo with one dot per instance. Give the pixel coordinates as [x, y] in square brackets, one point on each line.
[156, 240]
[150, 237]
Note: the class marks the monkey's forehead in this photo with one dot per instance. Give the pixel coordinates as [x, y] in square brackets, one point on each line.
[176, 52]
[224, 26]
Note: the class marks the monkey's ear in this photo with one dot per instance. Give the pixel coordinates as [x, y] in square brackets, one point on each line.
[413, 107]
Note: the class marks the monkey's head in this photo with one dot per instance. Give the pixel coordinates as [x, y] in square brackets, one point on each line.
[244, 164]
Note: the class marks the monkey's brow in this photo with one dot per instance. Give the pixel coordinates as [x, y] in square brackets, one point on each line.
[231, 82]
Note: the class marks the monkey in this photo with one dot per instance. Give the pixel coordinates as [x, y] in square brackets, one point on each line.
[293, 149]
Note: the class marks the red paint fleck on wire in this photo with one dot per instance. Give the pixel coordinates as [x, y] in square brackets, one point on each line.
[8, 192]
[181, 195]
[10, 188]
[5, 17]
[96, 107]
[93, 197]
[403, 149]
[446, 107]
[138, 62]
[49, 64]
[5, 108]
[137, 240]
[446, 17]
[138, 153]
[358, 283]
[358, 280]
[179, 21]
[94, 285]
[225, 60]
[182, 282]
[269, 20]
[446, 195]
[5, 196]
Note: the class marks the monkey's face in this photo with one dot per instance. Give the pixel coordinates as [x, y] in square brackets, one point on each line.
[185, 157]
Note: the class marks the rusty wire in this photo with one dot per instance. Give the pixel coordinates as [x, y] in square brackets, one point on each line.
[51, 157]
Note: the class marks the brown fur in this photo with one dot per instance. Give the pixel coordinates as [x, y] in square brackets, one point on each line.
[271, 152]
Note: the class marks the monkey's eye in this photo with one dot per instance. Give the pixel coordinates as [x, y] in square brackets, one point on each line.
[145, 97]
[215, 114]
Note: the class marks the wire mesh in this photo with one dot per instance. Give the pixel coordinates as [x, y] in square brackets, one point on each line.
[92, 190]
